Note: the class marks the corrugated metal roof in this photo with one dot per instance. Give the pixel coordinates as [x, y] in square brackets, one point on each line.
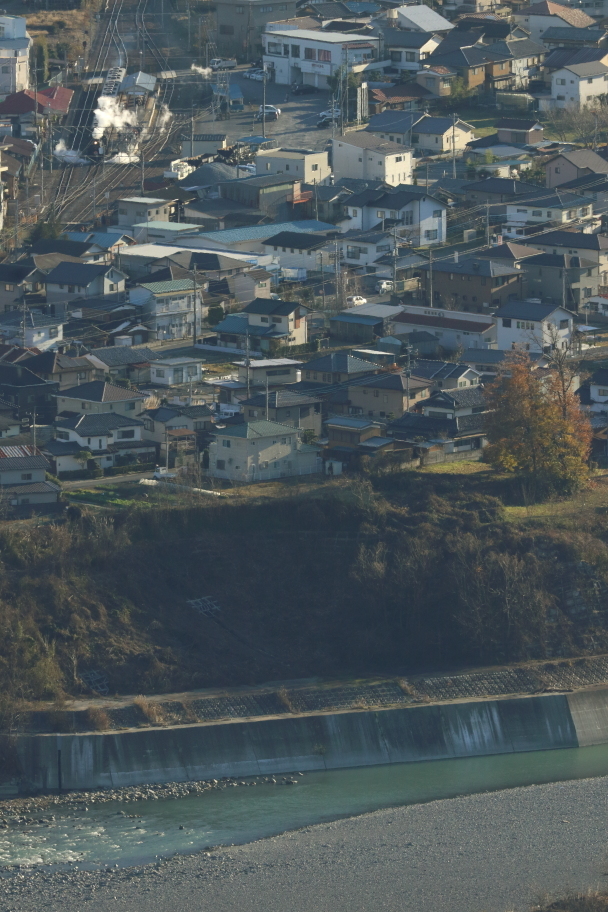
[166, 287]
[7, 452]
[255, 232]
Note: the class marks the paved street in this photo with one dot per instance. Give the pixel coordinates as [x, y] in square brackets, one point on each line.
[100, 482]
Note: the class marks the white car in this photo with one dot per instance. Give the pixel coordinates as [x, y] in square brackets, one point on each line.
[248, 169]
[270, 109]
[356, 301]
[330, 113]
[258, 75]
[384, 285]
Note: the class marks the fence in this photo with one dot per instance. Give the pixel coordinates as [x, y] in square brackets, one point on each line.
[434, 457]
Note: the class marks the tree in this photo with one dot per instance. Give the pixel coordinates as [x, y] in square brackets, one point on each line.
[49, 228]
[215, 314]
[535, 427]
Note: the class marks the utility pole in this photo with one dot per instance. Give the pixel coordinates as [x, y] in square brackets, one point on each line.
[316, 201]
[264, 101]
[141, 180]
[192, 132]
[94, 194]
[23, 322]
[431, 275]
[322, 281]
[487, 224]
[34, 427]
[194, 319]
[266, 398]
[247, 362]
[453, 145]
[408, 374]
[395, 260]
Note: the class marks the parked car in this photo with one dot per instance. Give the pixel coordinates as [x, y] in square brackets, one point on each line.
[270, 115]
[161, 472]
[249, 169]
[270, 109]
[384, 285]
[222, 63]
[302, 88]
[257, 75]
[325, 119]
[356, 301]
[253, 73]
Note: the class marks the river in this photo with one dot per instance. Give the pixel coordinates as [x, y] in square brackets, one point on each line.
[125, 834]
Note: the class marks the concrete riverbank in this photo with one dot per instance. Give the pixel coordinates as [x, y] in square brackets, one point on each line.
[484, 853]
[314, 741]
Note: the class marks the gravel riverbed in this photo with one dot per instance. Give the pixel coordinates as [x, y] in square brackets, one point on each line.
[491, 852]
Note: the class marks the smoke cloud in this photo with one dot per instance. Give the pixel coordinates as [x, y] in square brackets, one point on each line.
[163, 118]
[202, 71]
[109, 113]
[69, 156]
[122, 158]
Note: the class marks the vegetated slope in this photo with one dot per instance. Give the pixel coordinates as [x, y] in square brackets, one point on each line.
[425, 575]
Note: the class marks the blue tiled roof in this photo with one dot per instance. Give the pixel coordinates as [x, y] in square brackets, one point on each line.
[255, 232]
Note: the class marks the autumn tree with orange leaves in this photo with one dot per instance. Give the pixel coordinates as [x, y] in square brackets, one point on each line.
[535, 426]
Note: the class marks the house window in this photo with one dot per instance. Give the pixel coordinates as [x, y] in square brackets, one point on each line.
[295, 50]
[159, 372]
[380, 214]
[537, 212]
[437, 213]
[220, 464]
[355, 213]
[602, 392]
[9, 287]
[126, 435]
[410, 56]
[314, 168]
[310, 54]
[563, 324]
[324, 55]
[26, 476]
[226, 443]
[556, 170]
[431, 235]
[130, 406]
[506, 323]
[6, 69]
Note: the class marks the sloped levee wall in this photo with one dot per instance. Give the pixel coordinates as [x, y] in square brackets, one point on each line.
[328, 741]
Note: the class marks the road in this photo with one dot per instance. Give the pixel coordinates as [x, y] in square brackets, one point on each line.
[102, 482]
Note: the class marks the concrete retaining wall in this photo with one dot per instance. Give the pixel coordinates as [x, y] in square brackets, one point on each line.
[327, 741]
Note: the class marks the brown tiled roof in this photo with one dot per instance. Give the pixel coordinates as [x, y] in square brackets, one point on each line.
[574, 17]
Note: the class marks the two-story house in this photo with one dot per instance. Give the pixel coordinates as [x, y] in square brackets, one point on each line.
[337, 367]
[37, 330]
[285, 407]
[174, 371]
[447, 374]
[432, 135]
[269, 371]
[68, 281]
[286, 318]
[437, 79]
[171, 309]
[419, 217]
[453, 329]
[133, 210]
[125, 362]
[568, 166]
[579, 84]
[159, 421]
[100, 398]
[407, 50]
[539, 17]
[111, 439]
[294, 249]
[539, 207]
[561, 278]
[67, 371]
[386, 395]
[593, 247]
[471, 284]
[27, 392]
[313, 56]
[259, 451]
[23, 477]
[311, 167]
[532, 326]
[366, 156]
[16, 281]
[598, 391]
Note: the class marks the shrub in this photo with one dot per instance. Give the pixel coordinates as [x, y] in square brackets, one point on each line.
[98, 719]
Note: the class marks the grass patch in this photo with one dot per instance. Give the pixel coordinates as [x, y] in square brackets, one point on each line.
[457, 468]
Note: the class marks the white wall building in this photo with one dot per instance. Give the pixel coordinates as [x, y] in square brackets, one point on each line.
[173, 371]
[368, 157]
[168, 308]
[532, 326]
[135, 209]
[422, 18]
[15, 44]
[421, 219]
[261, 450]
[311, 167]
[579, 84]
[308, 56]
[540, 17]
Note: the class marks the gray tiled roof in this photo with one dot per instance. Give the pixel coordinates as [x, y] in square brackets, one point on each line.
[118, 355]
[13, 463]
[89, 425]
[100, 391]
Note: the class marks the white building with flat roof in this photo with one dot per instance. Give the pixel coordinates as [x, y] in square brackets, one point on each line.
[311, 56]
[134, 209]
[15, 44]
[369, 157]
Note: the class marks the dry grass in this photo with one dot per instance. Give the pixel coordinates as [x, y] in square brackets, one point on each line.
[98, 719]
[592, 901]
[151, 710]
[457, 468]
[284, 699]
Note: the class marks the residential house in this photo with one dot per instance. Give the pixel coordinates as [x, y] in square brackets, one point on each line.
[122, 362]
[365, 155]
[448, 375]
[421, 18]
[314, 56]
[495, 190]
[294, 249]
[53, 102]
[283, 406]
[567, 166]
[110, 243]
[27, 392]
[36, 330]
[562, 279]
[406, 49]
[287, 319]
[598, 392]
[251, 239]
[260, 451]
[15, 45]
[16, 281]
[358, 327]
[469, 63]
[532, 326]
[525, 58]
[592, 247]
[386, 395]
[269, 371]
[23, 476]
[510, 253]
[471, 283]
[111, 439]
[568, 37]
[69, 281]
[85, 251]
[65, 370]
[579, 84]
[539, 17]
[454, 403]
[241, 25]
[419, 216]
[174, 371]
[486, 362]
[171, 310]
[100, 397]
[433, 135]
[404, 97]
[158, 422]
[555, 206]
[437, 79]
[338, 367]
[593, 186]
[273, 195]
[170, 233]
[359, 250]
[311, 167]
[133, 210]
[347, 434]
[519, 131]
[453, 329]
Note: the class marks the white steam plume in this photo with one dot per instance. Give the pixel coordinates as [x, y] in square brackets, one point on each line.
[122, 158]
[202, 71]
[69, 156]
[163, 118]
[109, 113]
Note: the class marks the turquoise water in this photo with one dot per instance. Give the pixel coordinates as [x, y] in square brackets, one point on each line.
[159, 828]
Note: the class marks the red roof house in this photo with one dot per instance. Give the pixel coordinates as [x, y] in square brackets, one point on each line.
[57, 100]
